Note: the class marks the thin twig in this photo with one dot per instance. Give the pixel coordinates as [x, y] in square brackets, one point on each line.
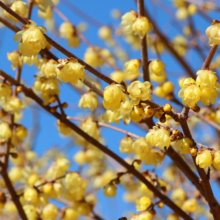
[144, 54]
[30, 7]
[14, 196]
[101, 124]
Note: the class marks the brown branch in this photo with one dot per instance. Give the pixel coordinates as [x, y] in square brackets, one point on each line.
[14, 196]
[30, 7]
[144, 54]
[101, 124]
[60, 48]
[60, 106]
[29, 93]
[213, 204]
[209, 58]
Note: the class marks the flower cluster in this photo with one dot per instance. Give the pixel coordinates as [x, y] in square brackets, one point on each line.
[132, 23]
[204, 89]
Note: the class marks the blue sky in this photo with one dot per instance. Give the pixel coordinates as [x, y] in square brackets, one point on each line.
[48, 135]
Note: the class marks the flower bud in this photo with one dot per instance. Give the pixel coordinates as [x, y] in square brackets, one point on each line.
[167, 108]
[105, 33]
[137, 113]
[148, 111]
[204, 158]
[157, 67]
[110, 190]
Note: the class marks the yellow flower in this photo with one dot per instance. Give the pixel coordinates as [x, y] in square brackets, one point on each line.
[157, 67]
[19, 7]
[182, 13]
[132, 67]
[139, 91]
[92, 58]
[15, 58]
[73, 180]
[44, 4]
[206, 78]
[5, 132]
[88, 100]
[31, 38]
[180, 45]
[126, 145]
[91, 128]
[49, 69]
[118, 76]
[143, 203]
[141, 26]
[20, 132]
[31, 60]
[159, 138]
[111, 116]
[47, 14]
[190, 205]
[30, 211]
[208, 96]
[127, 21]
[105, 33]
[204, 159]
[213, 34]
[5, 91]
[66, 30]
[178, 196]
[49, 212]
[110, 190]
[74, 41]
[113, 95]
[216, 160]
[69, 70]
[70, 214]
[190, 93]
[14, 105]
[60, 167]
[140, 146]
[137, 113]
[153, 157]
[31, 195]
[183, 145]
